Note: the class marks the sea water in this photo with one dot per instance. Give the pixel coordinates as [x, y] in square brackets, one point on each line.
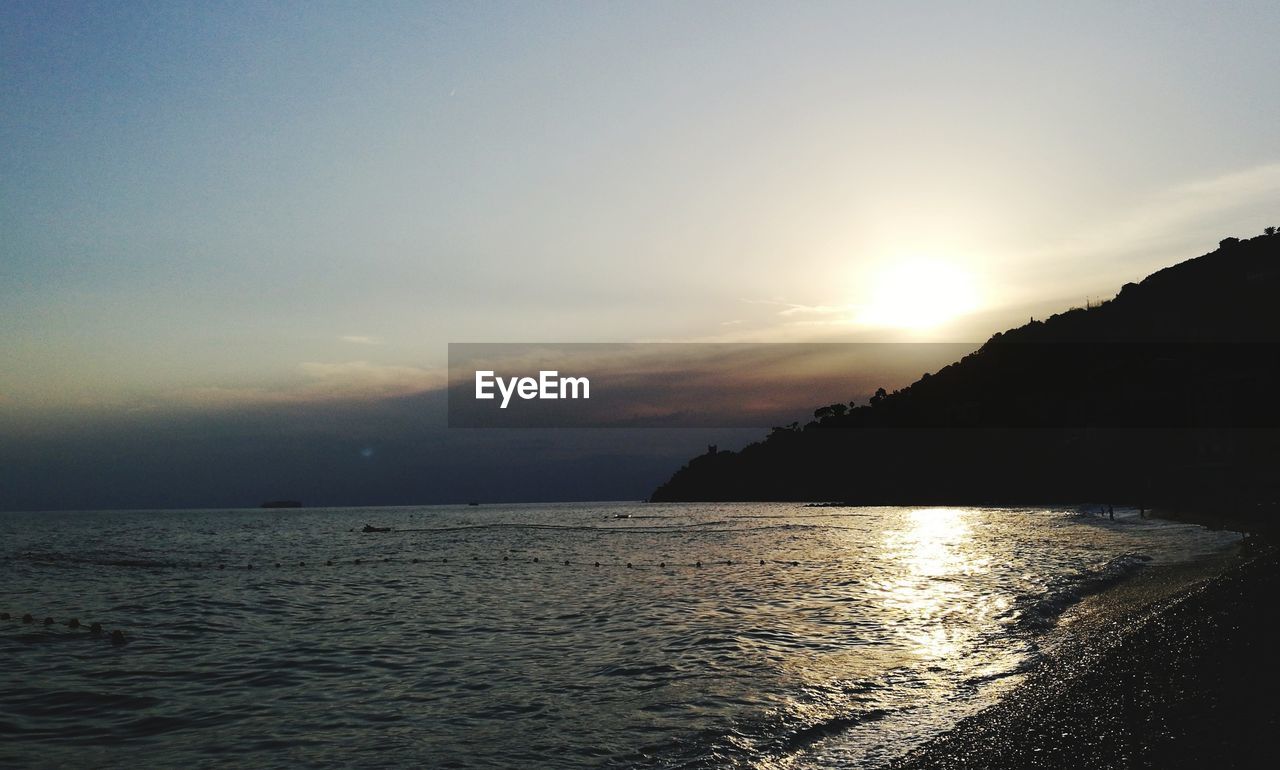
[603, 635]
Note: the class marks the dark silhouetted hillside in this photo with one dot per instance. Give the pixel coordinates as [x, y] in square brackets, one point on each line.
[1163, 395]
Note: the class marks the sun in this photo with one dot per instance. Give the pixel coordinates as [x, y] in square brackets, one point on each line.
[919, 293]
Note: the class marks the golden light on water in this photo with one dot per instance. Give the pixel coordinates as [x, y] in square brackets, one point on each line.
[935, 541]
[933, 547]
[920, 293]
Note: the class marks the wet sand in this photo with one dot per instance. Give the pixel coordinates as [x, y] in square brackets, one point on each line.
[1175, 669]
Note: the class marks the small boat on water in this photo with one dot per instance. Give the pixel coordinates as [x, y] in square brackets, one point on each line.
[371, 528]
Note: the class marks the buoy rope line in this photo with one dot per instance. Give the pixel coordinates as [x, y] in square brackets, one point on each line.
[249, 566]
[710, 527]
[117, 637]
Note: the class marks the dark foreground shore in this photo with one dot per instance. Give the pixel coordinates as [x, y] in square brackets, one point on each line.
[1188, 680]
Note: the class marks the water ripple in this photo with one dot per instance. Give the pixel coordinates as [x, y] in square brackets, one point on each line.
[608, 635]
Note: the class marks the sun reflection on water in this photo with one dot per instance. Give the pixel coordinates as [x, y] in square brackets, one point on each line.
[928, 556]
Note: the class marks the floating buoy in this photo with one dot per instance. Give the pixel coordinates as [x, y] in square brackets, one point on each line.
[762, 562]
[248, 566]
[597, 564]
[48, 621]
[117, 637]
[329, 563]
[5, 615]
[357, 561]
[566, 562]
[628, 565]
[28, 619]
[662, 564]
[698, 563]
[96, 628]
[535, 560]
[444, 559]
[277, 565]
[504, 558]
[74, 623]
[302, 564]
[222, 566]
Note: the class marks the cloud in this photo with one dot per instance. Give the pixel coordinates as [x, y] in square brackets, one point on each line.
[1184, 204]
[1171, 220]
[796, 308]
[371, 380]
[361, 339]
[1225, 191]
[322, 382]
[798, 314]
[841, 321]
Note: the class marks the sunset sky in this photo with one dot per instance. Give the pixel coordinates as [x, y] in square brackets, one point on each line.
[211, 206]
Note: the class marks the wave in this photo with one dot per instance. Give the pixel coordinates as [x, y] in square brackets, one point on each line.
[1040, 611]
[746, 743]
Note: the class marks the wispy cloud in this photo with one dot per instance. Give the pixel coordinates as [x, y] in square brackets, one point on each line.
[370, 379]
[1172, 220]
[843, 320]
[321, 382]
[1223, 192]
[361, 339]
[796, 308]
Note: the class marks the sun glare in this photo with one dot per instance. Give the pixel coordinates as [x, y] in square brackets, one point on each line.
[919, 294]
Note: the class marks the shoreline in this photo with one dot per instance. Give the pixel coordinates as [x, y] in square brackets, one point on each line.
[1259, 522]
[1171, 668]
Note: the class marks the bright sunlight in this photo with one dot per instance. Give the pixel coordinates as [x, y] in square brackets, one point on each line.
[919, 294]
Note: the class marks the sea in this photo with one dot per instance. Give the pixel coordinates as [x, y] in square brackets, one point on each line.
[585, 635]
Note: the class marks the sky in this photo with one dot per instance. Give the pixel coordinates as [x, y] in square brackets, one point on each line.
[217, 207]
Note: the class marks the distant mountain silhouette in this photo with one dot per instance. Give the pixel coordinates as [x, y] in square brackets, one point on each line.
[1164, 395]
